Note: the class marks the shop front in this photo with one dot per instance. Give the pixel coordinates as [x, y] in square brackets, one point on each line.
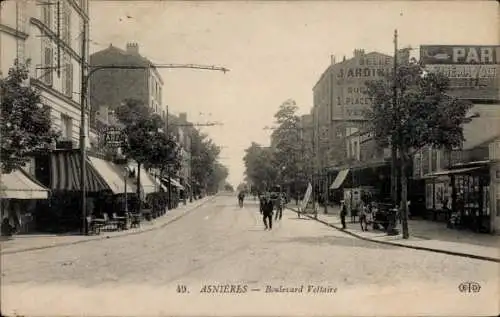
[61, 171]
[461, 196]
[19, 194]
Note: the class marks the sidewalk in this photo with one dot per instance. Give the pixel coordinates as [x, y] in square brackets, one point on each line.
[424, 235]
[30, 242]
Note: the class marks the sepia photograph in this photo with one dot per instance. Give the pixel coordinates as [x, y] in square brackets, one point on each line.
[249, 158]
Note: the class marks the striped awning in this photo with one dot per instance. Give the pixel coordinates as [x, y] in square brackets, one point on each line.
[66, 171]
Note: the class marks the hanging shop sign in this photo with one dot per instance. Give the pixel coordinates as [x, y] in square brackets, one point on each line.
[113, 137]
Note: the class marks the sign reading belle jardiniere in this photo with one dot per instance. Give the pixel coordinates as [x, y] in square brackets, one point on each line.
[350, 98]
[472, 69]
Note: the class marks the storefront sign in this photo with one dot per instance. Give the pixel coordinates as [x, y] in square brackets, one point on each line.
[472, 70]
[465, 71]
[460, 54]
[113, 137]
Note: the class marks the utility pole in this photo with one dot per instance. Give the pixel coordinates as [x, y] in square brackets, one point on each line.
[83, 109]
[394, 149]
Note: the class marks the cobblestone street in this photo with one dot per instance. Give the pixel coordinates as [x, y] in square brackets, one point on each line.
[219, 243]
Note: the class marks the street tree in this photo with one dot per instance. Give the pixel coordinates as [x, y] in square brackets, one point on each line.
[286, 141]
[217, 177]
[145, 141]
[259, 166]
[204, 153]
[411, 109]
[24, 120]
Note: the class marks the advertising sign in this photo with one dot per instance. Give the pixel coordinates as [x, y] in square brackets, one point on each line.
[350, 98]
[307, 196]
[113, 137]
[472, 69]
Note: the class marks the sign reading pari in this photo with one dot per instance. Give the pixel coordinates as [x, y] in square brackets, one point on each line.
[476, 55]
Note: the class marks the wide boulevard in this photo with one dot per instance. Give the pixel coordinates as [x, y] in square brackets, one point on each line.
[219, 260]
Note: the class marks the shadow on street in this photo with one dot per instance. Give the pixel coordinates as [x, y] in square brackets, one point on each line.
[335, 241]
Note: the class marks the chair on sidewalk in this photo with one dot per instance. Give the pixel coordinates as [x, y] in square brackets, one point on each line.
[120, 222]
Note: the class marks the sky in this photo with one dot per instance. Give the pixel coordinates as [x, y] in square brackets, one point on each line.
[275, 50]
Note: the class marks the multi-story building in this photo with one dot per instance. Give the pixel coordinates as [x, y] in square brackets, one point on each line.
[110, 87]
[339, 101]
[465, 179]
[49, 34]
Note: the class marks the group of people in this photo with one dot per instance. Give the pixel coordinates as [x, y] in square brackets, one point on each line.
[268, 202]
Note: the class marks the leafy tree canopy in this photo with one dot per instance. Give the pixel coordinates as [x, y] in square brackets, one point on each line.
[259, 166]
[146, 142]
[287, 143]
[25, 121]
[424, 113]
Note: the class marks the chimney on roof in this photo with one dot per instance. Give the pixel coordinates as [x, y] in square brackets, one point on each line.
[332, 59]
[133, 48]
[183, 117]
[343, 59]
[358, 53]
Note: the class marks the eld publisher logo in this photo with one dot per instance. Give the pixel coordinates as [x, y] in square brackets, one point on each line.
[469, 287]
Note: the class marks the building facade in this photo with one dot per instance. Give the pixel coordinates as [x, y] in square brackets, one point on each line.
[110, 87]
[464, 179]
[340, 99]
[49, 34]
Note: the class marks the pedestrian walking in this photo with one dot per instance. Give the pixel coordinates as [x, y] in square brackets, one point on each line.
[363, 217]
[279, 207]
[343, 213]
[267, 212]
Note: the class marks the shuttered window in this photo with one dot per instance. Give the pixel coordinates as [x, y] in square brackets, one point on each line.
[48, 71]
[47, 15]
[68, 80]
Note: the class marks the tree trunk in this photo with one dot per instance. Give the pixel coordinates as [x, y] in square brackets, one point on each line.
[138, 190]
[404, 194]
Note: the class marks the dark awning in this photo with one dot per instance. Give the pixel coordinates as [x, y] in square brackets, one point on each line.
[455, 171]
[66, 171]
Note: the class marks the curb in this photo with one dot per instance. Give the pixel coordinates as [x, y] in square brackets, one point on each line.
[104, 237]
[466, 255]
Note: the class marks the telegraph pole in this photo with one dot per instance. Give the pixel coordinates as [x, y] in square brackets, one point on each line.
[394, 149]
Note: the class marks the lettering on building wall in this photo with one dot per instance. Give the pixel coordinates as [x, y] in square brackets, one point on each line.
[472, 69]
[460, 54]
[362, 72]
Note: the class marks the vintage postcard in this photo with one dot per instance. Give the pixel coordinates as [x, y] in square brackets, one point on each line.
[249, 158]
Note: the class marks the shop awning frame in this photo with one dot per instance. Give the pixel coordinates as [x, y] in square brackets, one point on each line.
[114, 175]
[20, 185]
[339, 180]
[452, 172]
[173, 182]
[148, 182]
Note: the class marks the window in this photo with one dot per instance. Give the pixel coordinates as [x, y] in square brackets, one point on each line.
[66, 23]
[66, 127]
[47, 14]
[47, 68]
[68, 80]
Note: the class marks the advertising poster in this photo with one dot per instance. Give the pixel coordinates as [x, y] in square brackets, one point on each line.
[472, 69]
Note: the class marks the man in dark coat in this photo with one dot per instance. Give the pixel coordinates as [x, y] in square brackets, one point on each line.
[267, 211]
